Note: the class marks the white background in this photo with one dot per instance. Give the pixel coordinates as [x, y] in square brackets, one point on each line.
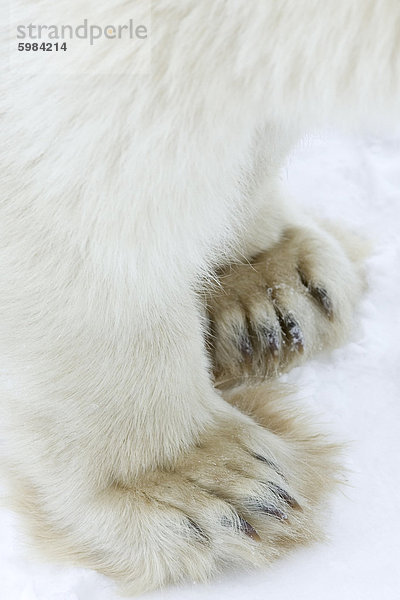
[355, 392]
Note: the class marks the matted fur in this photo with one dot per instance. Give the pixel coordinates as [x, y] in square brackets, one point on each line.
[122, 194]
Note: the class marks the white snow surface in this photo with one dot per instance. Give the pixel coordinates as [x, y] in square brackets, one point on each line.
[354, 392]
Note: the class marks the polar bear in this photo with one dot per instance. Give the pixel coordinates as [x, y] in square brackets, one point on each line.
[153, 264]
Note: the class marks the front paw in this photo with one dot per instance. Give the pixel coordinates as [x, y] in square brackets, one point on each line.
[241, 497]
[284, 306]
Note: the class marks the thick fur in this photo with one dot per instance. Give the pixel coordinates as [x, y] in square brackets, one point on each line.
[123, 196]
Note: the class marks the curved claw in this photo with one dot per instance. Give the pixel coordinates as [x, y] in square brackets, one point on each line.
[270, 339]
[245, 345]
[198, 532]
[293, 332]
[244, 526]
[321, 295]
[248, 529]
[272, 511]
[270, 463]
[284, 495]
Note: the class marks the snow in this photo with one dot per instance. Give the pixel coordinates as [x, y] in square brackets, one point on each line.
[355, 391]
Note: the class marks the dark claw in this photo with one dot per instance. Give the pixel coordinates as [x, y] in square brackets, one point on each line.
[294, 332]
[272, 511]
[283, 494]
[321, 295]
[246, 528]
[198, 532]
[270, 338]
[245, 345]
[270, 463]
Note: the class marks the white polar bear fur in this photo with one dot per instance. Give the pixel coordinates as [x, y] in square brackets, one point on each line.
[120, 195]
